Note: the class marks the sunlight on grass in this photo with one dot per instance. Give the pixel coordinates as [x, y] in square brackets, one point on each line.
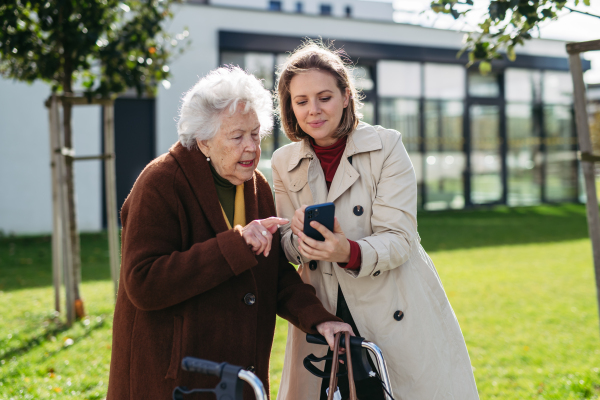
[41, 359]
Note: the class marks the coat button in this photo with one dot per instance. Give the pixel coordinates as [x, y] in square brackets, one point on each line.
[249, 299]
[377, 273]
[358, 210]
[312, 265]
[250, 368]
[398, 315]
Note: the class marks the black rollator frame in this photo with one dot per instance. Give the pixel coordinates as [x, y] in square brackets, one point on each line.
[360, 361]
[230, 387]
[233, 377]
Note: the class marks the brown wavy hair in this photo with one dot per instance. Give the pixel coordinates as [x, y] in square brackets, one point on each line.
[315, 55]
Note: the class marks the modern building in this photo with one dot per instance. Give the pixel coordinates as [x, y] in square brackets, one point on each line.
[376, 10]
[504, 138]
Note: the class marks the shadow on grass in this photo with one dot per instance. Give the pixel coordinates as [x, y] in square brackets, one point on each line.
[44, 337]
[449, 230]
[33, 341]
[26, 262]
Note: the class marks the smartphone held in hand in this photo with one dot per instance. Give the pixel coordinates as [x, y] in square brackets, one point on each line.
[321, 213]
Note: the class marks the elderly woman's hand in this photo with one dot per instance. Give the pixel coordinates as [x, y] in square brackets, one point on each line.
[330, 328]
[259, 233]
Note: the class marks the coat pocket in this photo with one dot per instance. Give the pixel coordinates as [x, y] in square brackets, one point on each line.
[176, 350]
[298, 183]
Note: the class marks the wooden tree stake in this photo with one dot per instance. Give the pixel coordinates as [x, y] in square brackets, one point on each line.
[57, 254]
[587, 165]
[110, 180]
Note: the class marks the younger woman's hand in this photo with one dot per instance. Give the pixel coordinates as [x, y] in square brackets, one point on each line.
[335, 248]
[298, 221]
[258, 234]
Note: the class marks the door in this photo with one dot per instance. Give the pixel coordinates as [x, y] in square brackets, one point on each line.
[134, 143]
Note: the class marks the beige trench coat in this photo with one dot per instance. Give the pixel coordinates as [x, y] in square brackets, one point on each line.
[425, 351]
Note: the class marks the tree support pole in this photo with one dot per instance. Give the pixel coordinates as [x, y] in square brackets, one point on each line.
[61, 155]
[110, 181]
[63, 245]
[587, 163]
[57, 238]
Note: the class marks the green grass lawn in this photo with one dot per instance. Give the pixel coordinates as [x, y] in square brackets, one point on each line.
[520, 281]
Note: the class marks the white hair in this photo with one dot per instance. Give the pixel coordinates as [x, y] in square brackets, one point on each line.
[220, 91]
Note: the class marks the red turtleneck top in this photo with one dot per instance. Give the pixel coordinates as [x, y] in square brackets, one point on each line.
[330, 157]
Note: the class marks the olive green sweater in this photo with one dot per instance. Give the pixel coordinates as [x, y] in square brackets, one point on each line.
[226, 193]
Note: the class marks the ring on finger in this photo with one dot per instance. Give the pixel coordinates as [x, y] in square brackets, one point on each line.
[264, 233]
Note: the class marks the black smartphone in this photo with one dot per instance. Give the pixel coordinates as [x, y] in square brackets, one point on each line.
[323, 214]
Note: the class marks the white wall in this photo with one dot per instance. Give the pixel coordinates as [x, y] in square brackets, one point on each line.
[25, 192]
[372, 9]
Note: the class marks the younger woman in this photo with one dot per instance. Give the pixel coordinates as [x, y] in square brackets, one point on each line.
[371, 270]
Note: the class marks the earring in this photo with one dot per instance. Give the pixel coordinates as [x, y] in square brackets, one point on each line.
[208, 159]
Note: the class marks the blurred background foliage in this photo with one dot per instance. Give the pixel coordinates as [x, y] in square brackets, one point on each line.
[506, 24]
[108, 46]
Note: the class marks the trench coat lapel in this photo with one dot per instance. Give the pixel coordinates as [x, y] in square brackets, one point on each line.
[308, 170]
[362, 140]
[359, 141]
[197, 172]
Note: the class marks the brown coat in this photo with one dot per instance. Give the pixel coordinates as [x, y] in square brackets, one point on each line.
[183, 279]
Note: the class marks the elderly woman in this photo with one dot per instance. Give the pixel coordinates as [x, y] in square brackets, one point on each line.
[202, 272]
[371, 269]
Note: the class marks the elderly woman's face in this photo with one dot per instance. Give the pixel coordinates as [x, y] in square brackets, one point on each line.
[235, 150]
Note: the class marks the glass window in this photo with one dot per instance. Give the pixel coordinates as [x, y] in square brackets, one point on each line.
[444, 81]
[561, 171]
[325, 9]
[280, 59]
[403, 115]
[483, 85]
[486, 165]
[275, 5]
[233, 58]
[299, 7]
[398, 79]
[260, 65]
[362, 78]
[368, 112]
[348, 12]
[524, 157]
[444, 156]
[522, 85]
[558, 87]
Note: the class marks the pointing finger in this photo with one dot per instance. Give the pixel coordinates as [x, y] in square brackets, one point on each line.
[273, 222]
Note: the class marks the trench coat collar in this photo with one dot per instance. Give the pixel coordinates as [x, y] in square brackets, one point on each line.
[196, 170]
[361, 140]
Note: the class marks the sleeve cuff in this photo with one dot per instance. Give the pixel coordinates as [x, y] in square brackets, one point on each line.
[235, 251]
[314, 315]
[355, 257]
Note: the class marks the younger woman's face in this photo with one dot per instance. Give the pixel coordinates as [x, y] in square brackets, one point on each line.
[318, 104]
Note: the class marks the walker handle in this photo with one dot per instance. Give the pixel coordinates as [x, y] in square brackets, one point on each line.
[320, 339]
[316, 339]
[205, 367]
